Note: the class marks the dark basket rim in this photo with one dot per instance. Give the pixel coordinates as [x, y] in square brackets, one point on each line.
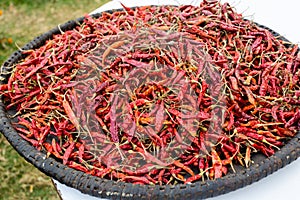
[104, 188]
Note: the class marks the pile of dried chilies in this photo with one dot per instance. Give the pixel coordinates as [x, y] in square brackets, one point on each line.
[158, 95]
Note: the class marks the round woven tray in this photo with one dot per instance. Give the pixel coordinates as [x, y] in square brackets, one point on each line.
[104, 188]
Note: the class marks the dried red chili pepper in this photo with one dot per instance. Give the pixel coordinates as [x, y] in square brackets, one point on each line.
[55, 84]
[68, 152]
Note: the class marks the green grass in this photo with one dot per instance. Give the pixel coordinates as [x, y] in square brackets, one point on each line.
[22, 20]
[19, 179]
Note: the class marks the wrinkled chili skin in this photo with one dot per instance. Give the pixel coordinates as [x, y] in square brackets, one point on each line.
[260, 73]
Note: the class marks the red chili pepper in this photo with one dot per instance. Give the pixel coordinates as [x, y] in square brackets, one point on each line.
[41, 64]
[68, 152]
[267, 151]
[150, 178]
[150, 157]
[191, 161]
[70, 114]
[138, 180]
[177, 136]
[139, 171]
[256, 43]
[34, 142]
[216, 164]
[247, 156]
[113, 123]
[128, 10]
[81, 153]
[118, 175]
[180, 165]
[154, 135]
[251, 99]
[159, 118]
[234, 83]
[3, 87]
[104, 172]
[294, 120]
[110, 48]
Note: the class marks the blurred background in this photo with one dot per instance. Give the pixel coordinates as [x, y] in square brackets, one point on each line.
[20, 22]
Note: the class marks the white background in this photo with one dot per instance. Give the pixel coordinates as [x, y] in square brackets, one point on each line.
[282, 17]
